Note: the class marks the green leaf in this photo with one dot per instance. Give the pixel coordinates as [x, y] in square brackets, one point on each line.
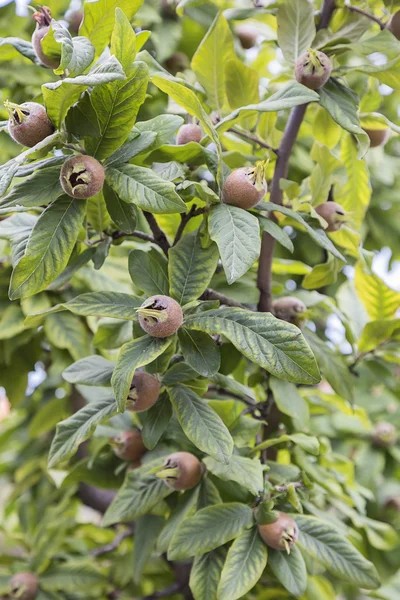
[289, 569]
[155, 421]
[378, 332]
[49, 247]
[97, 214]
[136, 497]
[91, 370]
[78, 428]
[323, 274]
[68, 332]
[135, 144]
[245, 563]
[247, 472]
[39, 189]
[330, 548]
[11, 322]
[201, 424]
[47, 416]
[70, 577]
[237, 234]
[190, 267]
[271, 343]
[296, 28]
[199, 351]
[209, 528]
[276, 232]
[242, 83]
[144, 188]
[22, 46]
[206, 574]
[99, 19]
[116, 105]
[124, 215]
[288, 400]
[379, 300]
[133, 355]
[210, 58]
[76, 54]
[147, 530]
[81, 118]
[163, 126]
[307, 442]
[149, 272]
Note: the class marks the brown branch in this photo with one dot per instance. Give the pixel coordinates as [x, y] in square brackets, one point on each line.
[326, 14]
[174, 588]
[368, 15]
[115, 543]
[96, 498]
[159, 236]
[185, 218]
[139, 234]
[225, 392]
[252, 138]
[210, 294]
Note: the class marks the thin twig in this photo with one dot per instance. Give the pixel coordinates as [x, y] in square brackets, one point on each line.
[368, 15]
[225, 392]
[210, 294]
[139, 234]
[114, 544]
[159, 236]
[253, 138]
[174, 588]
[185, 218]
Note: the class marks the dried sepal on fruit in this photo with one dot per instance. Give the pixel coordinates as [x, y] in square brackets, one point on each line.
[82, 176]
[245, 187]
[143, 393]
[24, 586]
[43, 22]
[181, 471]
[333, 213]
[281, 534]
[288, 308]
[160, 316]
[189, 133]
[129, 445]
[28, 123]
[313, 69]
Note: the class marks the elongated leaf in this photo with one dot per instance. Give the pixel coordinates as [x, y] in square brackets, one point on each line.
[245, 563]
[155, 421]
[206, 574]
[210, 528]
[144, 188]
[39, 189]
[296, 28]
[135, 144]
[147, 529]
[201, 423]
[380, 301]
[22, 46]
[288, 399]
[289, 569]
[275, 345]
[68, 332]
[81, 119]
[49, 247]
[339, 556]
[237, 234]
[200, 352]
[78, 428]
[136, 497]
[185, 506]
[124, 215]
[191, 267]
[242, 83]
[92, 370]
[133, 355]
[245, 471]
[148, 271]
[277, 232]
[163, 126]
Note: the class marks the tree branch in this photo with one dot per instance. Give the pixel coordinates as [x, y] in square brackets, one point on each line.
[174, 588]
[159, 236]
[366, 14]
[252, 138]
[139, 234]
[326, 14]
[225, 392]
[185, 218]
[210, 294]
[96, 498]
[115, 543]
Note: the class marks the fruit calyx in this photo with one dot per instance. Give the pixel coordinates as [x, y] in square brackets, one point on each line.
[24, 586]
[153, 311]
[280, 534]
[313, 65]
[43, 16]
[160, 316]
[181, 471]
[257, 174]
[82, 176]
[16, 112]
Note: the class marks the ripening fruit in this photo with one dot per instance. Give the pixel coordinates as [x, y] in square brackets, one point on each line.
[189, 133]
[181, 471]
[247, 35]
[333, 213]
[74, 18]
[160, 316]
[280, 534]
[245, 187]
[288, 308]
[129, 445]
[28, 123]
[177, 62]
[377, 137]
[313, 69]
[24, 586]
[394, 25]
[384, 435]
[82, 176]
[43, 21]
[144, 392]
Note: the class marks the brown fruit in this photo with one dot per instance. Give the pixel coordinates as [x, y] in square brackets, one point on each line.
[313, 69]
[181, 471]
[245, 187]
[82, 176]
[177, 62]
[74, 18]
[377, 137]
[394, 25]
[384, 435]
[28, 123]
[189, 133]
[24, 586]
[129, 445]
[333, 213]
[288, 308]
[144, 392]
[43, 21]
[168, 9]
[280, 534]
[160, 316]
[247, 35]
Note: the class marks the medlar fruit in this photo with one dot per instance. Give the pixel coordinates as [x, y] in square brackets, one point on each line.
[43, 22]
[247, 35]
[281, 534]
[181, 471]
[24, 586]
[288, 308]
[160, 316]
[129, 445]
[28, 123]
[377, 137]
[245, 187]
[177, 62]
[143, 393]
[333, 213]
[313, 69]
[82, 176]
[394, 25]
[384, 435]
[189, 133]
[74, 18]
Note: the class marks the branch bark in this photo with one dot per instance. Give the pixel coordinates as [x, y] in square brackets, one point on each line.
[368, 15]
[115, 543]
[159, 236]
[210, 294]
